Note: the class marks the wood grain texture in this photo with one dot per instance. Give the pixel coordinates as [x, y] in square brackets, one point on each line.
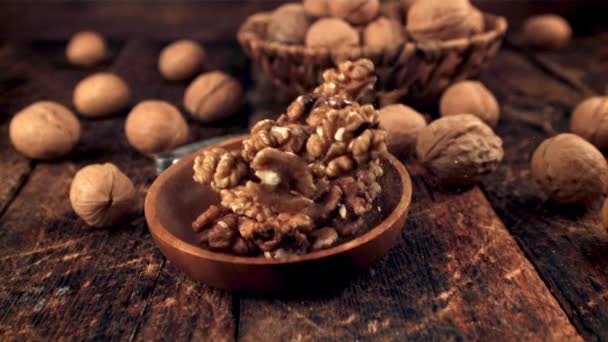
[455, 274]
[64, 279]
[566, 245]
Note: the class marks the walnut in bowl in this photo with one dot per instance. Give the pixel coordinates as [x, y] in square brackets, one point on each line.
[297, 199]
[418, 70]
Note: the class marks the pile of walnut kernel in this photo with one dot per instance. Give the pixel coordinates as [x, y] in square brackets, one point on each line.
[303, 182]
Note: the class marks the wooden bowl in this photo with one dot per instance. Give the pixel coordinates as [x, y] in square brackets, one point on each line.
[175, 200]
[415, 72]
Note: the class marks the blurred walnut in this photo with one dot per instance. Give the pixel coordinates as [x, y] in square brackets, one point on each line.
[219, 168]
[100, 95]
[353, 80]
[354, 11]
[402, 125]
[102, 195]
[44, 130]
[155, 126]
[570, 170]
[470, 97]
[590, 121]
[181, 60]
[317, 8]
[393, 10]
[547, 31]
[383, 33]
[213, 96]
[332, 33]
[407, 4]
[288, 24]
[459, 149]
[443, 20]
[86, 48]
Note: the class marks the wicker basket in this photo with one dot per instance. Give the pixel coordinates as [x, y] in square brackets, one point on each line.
[418, 72]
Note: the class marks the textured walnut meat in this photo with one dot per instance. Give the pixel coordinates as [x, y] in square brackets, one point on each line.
[332, 33]
[274, 167]
[288, 24]
[213, 96]
[402, 125]
[44, 130]
[267, 133]
[383, 33]
[353, 80]
[219, 168]
[354, 11]
[155, 126]
[570, 170]
[470, 97]
[548, 31]
[86, 49]
[181, 60]
[443, 20]
[590, 121]
[100, 95]
[459, 149]
[316, 166]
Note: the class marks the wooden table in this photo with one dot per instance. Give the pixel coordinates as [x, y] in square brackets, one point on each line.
[490, 262]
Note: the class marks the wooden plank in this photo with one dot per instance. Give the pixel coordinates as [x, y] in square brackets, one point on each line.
[61, 278]
[566, 245]
[455, 274]
[583, 62]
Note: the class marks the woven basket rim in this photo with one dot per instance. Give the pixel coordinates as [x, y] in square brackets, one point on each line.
[247, 36]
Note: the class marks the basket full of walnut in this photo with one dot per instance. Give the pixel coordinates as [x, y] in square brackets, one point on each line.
[418, 51]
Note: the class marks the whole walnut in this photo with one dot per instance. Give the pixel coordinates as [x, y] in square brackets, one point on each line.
[590, 121]
[100, 95]
[288, 24]
[443, 20]
[402, 125]
[86, 48]
[213, 96]
[331, 33]
[470, 97]
[155, 126]
[181, 60]
[44, 130]
[317, 8]
[102, 195]
[570, 170]
[383, 32]
[547, 31]
[354, 11]
[459, 149]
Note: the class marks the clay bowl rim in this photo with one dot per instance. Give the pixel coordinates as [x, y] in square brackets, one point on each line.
[158, 230]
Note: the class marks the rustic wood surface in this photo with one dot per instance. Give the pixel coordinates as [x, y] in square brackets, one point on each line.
[491, 262]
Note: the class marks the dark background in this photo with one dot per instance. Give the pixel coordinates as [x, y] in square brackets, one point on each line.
[209, 21]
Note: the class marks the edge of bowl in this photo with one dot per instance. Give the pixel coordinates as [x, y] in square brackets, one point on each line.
[161, 232]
